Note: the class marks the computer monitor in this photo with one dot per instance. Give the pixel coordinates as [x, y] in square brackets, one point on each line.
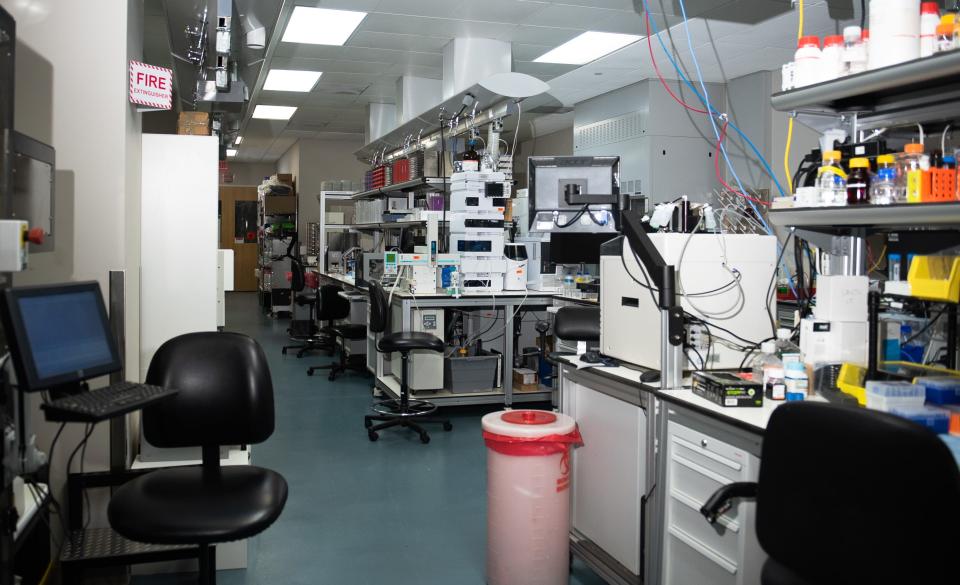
[58, 335]
[569, 186]
[577, 248]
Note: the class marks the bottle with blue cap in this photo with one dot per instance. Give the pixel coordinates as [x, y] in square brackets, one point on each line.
[797, 381]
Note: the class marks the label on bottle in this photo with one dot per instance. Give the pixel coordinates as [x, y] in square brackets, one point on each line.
[914, 180]
[773, 383]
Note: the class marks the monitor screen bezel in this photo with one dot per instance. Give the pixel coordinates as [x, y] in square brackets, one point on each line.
[13, 324]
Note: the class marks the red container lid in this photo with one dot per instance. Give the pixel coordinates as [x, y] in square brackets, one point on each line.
[930, 8]
[833, 40]
[865, 35]
[529, 417]
[811, 41]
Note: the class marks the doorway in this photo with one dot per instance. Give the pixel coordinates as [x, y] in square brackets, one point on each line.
[238, 232]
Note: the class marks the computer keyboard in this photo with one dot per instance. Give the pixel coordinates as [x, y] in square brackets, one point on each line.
[104, 403]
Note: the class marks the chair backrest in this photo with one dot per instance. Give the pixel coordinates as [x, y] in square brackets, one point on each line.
[850, 495]
[379, 310]
[577, 323]
[298, 275]
[332, 306]
[226, 394]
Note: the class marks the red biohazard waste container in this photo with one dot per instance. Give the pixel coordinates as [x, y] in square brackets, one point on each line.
[528, 496]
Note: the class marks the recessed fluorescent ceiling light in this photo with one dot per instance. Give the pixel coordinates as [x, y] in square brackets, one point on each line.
[238, 140]
[273, 112]
[587, 47]
[291, 80]
[231, 152]
[321, 26]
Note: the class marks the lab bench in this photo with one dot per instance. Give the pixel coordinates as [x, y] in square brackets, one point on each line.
[651, 459]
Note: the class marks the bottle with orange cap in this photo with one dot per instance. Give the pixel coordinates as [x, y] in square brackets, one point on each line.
[911, 164]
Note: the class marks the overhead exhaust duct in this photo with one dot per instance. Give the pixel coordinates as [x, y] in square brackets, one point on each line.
[742, 11]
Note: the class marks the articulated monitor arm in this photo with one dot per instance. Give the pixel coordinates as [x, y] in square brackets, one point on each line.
[665, 280]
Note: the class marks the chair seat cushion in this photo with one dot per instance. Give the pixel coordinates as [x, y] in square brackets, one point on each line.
[408, 341]
[180, 506]
[350, 331]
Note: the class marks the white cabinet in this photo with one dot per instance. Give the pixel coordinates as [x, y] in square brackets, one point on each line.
[698, 462]
[610, 470]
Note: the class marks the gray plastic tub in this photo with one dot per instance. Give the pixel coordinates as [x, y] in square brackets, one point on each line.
[463, 375]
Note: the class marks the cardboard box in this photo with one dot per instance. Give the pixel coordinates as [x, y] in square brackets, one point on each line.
[524, 380]
[727, 389]
[276, 204]
[285, 178]
[194, 124]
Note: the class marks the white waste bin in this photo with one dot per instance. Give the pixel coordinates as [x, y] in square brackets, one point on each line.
[528, 496]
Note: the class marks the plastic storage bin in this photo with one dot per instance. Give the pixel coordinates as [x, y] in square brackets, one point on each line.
[528, 496]
[941, 390]
[935, 419]
[463, 375]
[935, 278]
[850, 381]
[887, 396]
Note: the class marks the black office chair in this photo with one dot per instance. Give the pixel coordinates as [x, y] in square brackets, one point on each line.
[578, 324]
[848, 495]
[334, 307]
[304, 331]
[402, 412]
[225, 398]
[331, 308]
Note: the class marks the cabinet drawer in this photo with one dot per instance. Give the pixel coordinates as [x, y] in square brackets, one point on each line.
[708, 452]
[697, 482]
[720, 541]
[688, 565]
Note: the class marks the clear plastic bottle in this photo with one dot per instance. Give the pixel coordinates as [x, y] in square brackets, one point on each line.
[768, 370]
[854, 50]
[944, 40]
[831, 58]
[929, 20]
[832, 179]
[893, 266]
[787, 350]
[569, 285]
[797, 382]
[910, 167]
[883, 191]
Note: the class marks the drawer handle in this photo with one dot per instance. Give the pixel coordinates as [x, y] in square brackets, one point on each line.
[705, 550]
[692, 503]
[709, 454]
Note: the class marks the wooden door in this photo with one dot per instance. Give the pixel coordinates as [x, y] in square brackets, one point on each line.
[240, 236]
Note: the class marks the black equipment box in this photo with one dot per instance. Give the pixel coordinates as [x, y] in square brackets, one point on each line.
[727, 389]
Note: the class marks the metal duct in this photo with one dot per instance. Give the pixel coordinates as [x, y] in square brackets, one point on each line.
[742, 11]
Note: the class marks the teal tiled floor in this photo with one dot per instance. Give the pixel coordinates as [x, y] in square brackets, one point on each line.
[394, 512]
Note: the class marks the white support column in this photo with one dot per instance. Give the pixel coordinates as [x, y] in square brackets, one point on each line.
[416, 95]
[381, 118]
[467, 61]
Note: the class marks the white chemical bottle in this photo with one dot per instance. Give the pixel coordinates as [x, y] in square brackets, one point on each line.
[894, 32]
[806, 62]
[854, 50]
[831, 58]
[929, 20]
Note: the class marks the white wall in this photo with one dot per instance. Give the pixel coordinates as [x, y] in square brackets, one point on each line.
[251, 173]
[71, 92]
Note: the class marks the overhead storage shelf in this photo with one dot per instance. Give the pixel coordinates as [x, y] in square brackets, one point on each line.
[901, 215]
[387, 225]
[400, 188]
[920, 91]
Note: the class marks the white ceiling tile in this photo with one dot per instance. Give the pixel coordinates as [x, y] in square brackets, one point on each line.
[331, 66]
[613, 4]
[567, 16]
[398, 41]
[435, 8]
[545, 35]
[511, 11]
[524, 52]
[361, 5]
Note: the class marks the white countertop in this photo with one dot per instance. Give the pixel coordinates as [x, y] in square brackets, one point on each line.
[755, 417]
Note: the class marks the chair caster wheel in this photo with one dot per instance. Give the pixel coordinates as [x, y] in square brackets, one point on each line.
[373, 436]
[309, 372]
[283, 351]
[424, 438]
[332, 377]
[447, 427]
